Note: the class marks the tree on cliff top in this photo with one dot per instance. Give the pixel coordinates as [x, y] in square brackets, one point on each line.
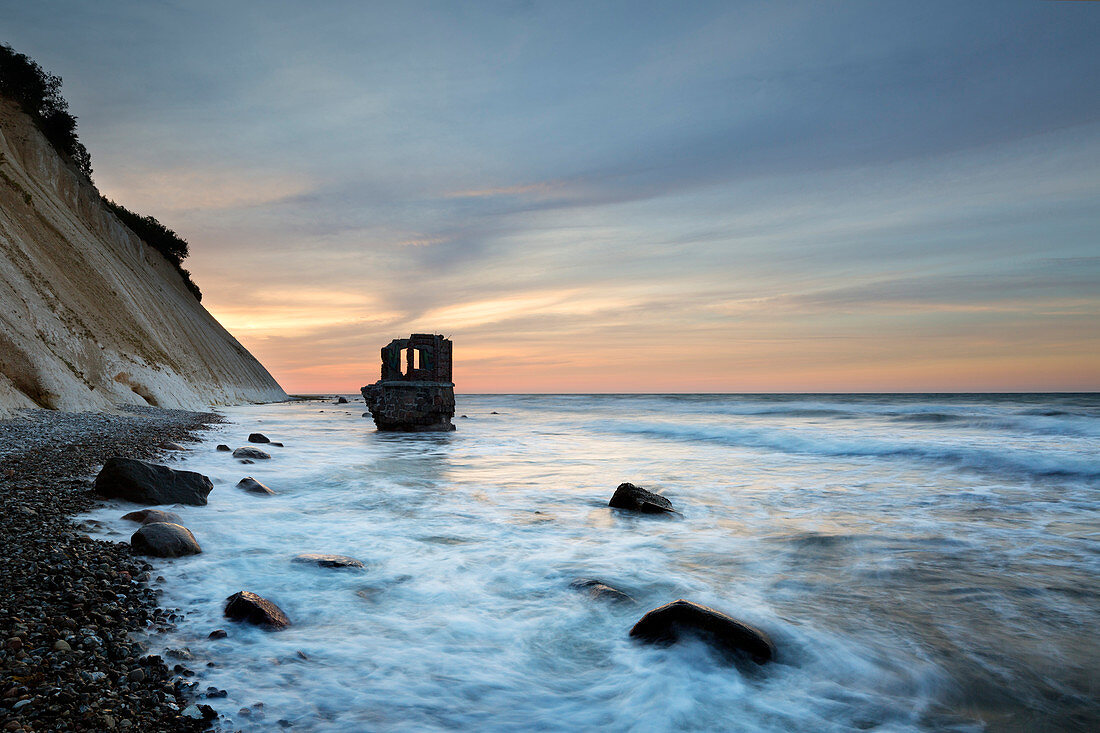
[23, 81]
[39, 94]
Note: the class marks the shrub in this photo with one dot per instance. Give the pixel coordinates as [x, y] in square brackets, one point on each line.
[38, 93]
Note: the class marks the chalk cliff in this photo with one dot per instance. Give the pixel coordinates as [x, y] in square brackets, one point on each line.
[90, 315]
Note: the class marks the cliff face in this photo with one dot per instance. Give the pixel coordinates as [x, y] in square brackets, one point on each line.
[90, 315]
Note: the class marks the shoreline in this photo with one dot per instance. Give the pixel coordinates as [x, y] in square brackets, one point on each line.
[60, 588]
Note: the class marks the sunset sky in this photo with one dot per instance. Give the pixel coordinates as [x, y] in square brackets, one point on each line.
[614, 197]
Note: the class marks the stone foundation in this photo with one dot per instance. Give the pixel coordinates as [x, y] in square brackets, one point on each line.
[411, 406]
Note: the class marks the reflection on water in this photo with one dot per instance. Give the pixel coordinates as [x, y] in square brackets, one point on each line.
[923, 562]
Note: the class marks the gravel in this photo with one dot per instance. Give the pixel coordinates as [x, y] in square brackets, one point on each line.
[70, 606]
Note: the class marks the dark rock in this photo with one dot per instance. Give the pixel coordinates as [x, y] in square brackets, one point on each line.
[667, 624]
[258, 438]
[635, 498]
[248, 452]
[254, 609]
[328, 561]
[223, 447]
[147, 483]
[253, 486]
[217, 634]
[145, 516]
[277, 445]
[247, 462]
[600, 591]
[164, 539]
[341, 400]
[172, 446]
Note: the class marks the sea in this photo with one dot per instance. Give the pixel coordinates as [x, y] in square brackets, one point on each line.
[923, 562]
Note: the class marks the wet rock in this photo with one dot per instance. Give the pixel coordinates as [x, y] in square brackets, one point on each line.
[181, 654]
[254, 609]
[600, 591]
[328, 561]
[217, 634]
[224, 448]
[62, 646]
[277, 445]
[136, 675]
[248, 452]
[148, 483]
[670, 622]
[247, 462]
[635, 498]
[253, 486]
[145, 516]
[164, 539]
[172, 446]
[258, 438]
[341, 400]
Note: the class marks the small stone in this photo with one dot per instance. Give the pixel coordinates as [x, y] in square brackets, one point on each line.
[248, 452]
[328, 561]
[258, 438]
[224, 448]
[217, 634]
[253, 486]
[146, 516]
[137, 675]
[62, 646]
[184, 654]
[598, 590]
[193, 712]
[173, 446]
[21, 704]
[665, 625]
[245, 712]
[164, 539]
[255, 609]
[277, 445]
[635, 498]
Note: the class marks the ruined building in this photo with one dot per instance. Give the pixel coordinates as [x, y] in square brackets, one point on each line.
[415, 392]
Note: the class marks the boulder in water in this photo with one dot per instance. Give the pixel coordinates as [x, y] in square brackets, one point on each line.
[600, 591]
[148, 483]
[328, 561]
[635, 498]
[341, 400]
[253, 486]
[670, 622]
[145, 516]
[223, 447]
[248, 452]
[164, 539]
[258, 438]
[251, 608]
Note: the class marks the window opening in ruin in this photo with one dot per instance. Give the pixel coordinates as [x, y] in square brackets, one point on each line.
[404, 362]
[415, 358]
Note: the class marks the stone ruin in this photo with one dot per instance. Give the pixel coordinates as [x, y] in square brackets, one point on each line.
[415, 393]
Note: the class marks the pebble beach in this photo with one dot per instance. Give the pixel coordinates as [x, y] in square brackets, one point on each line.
[70, 605]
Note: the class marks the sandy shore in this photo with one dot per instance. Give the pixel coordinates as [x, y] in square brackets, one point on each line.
[69, 604]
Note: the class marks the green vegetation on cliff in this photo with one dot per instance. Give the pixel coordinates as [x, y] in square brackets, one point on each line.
[38, 93]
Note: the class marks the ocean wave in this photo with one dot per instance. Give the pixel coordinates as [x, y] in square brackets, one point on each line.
[993, 459]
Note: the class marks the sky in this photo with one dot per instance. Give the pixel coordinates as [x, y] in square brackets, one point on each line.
[614, 197]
